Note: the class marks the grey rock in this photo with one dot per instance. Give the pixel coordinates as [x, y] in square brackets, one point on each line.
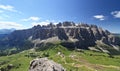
[66, 23]
[9, 66]
[80, 36]
[43, 64]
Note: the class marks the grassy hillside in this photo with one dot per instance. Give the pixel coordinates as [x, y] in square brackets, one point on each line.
[71, 60]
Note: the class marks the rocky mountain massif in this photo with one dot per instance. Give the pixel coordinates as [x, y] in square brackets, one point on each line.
[68, 34]
[62, 43]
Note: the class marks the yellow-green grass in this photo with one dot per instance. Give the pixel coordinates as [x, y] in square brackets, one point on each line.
[71, 60]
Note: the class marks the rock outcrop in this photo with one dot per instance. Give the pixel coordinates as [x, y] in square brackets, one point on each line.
[43, 64]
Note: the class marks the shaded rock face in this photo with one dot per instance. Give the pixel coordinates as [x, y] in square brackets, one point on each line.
[80, 36]
[43, 64]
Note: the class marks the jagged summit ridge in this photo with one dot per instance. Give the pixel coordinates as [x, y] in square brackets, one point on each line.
[71, 30]
[65, 24]
[67, 33]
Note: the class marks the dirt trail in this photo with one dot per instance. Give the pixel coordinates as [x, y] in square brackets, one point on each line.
[93, 67]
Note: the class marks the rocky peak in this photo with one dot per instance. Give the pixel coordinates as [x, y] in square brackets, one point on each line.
[83, 25]
[80, 36]
[93, 26]
[66, 23]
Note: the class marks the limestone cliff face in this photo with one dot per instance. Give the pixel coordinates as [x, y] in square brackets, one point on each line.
[69, 33]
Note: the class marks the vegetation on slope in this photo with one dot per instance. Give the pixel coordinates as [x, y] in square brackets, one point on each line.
[72, 60]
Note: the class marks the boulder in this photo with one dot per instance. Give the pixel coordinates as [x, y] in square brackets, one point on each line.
[44, 64]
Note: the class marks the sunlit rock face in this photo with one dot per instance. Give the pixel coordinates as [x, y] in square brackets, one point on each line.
[68, 33]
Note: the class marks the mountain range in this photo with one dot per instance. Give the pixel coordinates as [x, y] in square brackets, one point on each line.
[6, 31]
[66, 46]
[68, 34]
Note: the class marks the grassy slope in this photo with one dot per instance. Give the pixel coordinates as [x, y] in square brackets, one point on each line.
[71, 60]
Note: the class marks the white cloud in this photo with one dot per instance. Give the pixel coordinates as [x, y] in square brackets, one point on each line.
[99, 17]
[39, 23]
[116, 14]
[31, 19]
[9, 8]
[8, 25]
[43, 22]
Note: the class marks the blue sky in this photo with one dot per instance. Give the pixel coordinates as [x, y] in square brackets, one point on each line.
[22, 14]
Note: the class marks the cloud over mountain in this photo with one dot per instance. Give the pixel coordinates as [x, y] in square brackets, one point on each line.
[99, 17]
[46, 22]
[8, 25]
[32, 18]
[116, 14]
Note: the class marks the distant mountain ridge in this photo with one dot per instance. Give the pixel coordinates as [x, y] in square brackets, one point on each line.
[117, 34]
[68, 34]
[6, 31]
